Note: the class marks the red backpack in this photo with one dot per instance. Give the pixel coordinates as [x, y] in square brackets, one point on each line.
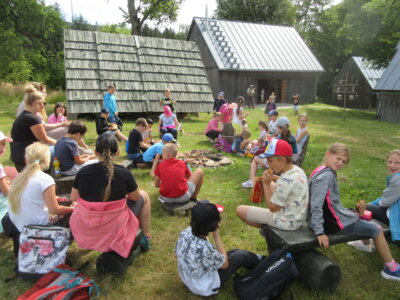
[61, 284]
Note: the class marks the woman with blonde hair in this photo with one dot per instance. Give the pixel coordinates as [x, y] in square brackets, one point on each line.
[28, 127]
[32, 197]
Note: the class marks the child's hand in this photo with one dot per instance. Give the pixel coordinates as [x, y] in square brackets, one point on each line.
[323, 240]
[267, 176]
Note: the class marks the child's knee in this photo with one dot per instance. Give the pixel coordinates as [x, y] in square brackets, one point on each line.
[241, 211]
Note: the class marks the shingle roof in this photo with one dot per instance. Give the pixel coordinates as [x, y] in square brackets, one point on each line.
[250, 46]
[141, 68]
[370, 73]
[390, 80]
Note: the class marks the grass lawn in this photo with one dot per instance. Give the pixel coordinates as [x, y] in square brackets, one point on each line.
[154, 274]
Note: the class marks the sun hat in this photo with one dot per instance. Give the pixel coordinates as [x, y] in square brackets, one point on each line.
[278, 148]
[282, 122]
[167, 137]
[273, 113]
[3, 137]
[167, 111]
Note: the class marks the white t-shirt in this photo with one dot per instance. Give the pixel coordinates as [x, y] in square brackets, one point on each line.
[167, 121]
[33, 209]
[291, 194]
[198, 263]
[272, 127]
[236, 117]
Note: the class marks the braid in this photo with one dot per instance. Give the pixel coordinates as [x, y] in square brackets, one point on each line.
[107, 161]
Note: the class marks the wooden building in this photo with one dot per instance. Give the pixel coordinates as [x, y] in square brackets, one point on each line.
[140, 67]
[274, 58]
[361, 74]
[388, 89]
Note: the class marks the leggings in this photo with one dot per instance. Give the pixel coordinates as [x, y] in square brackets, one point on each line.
[169, 130]
[379, 213]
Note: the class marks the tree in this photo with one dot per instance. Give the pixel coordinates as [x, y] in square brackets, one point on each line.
[260, 11]
[308, 13]
[160, 11]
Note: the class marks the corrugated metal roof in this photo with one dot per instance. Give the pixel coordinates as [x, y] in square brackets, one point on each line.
[370, 73]
[390, 80]
[141, 67]
[258, 47]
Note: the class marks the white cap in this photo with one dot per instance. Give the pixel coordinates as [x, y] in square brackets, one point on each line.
[3, 137]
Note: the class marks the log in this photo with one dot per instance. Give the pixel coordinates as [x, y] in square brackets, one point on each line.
[318, 271]
[64, 184]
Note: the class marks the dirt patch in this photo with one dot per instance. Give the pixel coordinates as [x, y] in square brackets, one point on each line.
[204, 158]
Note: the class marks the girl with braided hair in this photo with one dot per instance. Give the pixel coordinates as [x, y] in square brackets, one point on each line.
[110, 208]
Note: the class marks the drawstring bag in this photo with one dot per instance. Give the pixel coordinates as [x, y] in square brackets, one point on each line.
[257, 192]
[41, 248]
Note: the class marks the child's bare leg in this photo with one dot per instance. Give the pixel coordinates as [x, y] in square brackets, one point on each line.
[145, 214]
[253, 168]
[383, 248]
[241, 212]
[197, 179]
[121, 135]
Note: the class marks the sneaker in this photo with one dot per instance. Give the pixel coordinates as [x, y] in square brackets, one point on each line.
[391, 275]
[247, 184]
[359, 245]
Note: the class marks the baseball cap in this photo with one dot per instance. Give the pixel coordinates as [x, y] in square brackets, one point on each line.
[282, 122]
[205, 210]
[221, 94]
[273, 113]
[3, 137]
[167, 137]
[278, 148]
[104, 111]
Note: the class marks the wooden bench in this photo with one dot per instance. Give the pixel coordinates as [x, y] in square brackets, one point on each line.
[64, 184]
[318, 271]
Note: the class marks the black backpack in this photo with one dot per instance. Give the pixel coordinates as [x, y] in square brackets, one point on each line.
[268, 279]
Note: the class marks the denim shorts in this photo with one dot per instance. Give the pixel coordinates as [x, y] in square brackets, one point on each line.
[363, 228]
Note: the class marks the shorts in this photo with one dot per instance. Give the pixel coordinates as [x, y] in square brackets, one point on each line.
[136, 206]
[260, 215]
[181, 199]
[362, 228]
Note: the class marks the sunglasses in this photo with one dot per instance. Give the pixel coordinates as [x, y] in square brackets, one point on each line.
[42, 102]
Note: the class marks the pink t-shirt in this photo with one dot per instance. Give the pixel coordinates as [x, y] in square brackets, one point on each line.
[212, 125]
[54, 120]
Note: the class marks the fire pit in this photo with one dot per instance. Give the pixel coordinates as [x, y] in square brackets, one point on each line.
[204, 158]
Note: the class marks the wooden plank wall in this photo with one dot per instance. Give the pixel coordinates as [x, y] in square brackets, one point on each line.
[388, 108]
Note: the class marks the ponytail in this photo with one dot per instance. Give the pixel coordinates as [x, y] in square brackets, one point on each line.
[107, 162]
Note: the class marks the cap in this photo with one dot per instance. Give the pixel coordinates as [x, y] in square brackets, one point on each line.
[221, 94]
[3, 137]
[278, 148]
[167, 111]
[282, 122]
[273, 113]
[104, 111]
[205, 211]
[167, 137]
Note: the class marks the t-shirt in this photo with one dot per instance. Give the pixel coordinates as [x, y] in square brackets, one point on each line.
[173, 174]
[292, 195]
[167, 121]
[101, 125]
[111, 104]
[198, 263]
[150, 153]
[33, 209]
[53, 119]
[272, 127]
[236, 118]
[22, 135]
[135, 137]
[168, 101]
[91, 182]
[65, 149]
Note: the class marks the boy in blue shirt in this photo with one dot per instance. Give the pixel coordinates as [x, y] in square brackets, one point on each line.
[110, 103]
[153, 154]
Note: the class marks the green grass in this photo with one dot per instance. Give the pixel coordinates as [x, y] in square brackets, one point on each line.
[154, 275]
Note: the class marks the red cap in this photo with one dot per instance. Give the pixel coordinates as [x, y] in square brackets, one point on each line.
[278, 148]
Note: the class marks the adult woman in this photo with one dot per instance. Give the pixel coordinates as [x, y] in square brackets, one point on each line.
[110, 208]
[32, 197]
[28, 128]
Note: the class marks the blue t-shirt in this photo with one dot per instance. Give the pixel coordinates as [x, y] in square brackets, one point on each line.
[65, 149]
[150, 153]
[111, 104]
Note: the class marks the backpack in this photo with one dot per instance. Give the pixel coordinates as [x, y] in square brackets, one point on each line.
[41, 248]
[223, 145]
[268, 279]
[62, 283]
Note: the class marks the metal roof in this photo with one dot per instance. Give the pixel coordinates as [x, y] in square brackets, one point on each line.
[370, 73]
[257, 47]
[141, 68]
[390, 80]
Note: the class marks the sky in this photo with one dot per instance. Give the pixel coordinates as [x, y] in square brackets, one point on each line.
[107, 11]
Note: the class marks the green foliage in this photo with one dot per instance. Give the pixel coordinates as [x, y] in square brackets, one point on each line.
[20, 71]
[167, 33]
[280, 12]
[114, 28]
[308, 13]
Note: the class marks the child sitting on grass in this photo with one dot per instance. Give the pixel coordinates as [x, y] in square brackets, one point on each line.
[241, 142]
[153, 154]
[328, 216]
[262, 139]
[135, 144]
[178, 185]
[102, 125]
[272, 119]
[301, 135]
[148, 134]
[67, 150]
[203, 267]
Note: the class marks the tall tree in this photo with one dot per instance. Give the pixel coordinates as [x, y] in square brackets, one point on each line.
[308, 13]
[260, 11]
[160, 11]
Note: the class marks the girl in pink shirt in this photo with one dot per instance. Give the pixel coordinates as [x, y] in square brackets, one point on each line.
[213, 131]
[59, 115]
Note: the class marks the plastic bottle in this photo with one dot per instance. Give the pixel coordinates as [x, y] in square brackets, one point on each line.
[56, 167]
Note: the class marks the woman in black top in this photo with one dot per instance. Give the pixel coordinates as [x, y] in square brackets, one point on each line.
[28, 128]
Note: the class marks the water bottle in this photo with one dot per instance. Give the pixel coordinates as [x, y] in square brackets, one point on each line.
[56, 167]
